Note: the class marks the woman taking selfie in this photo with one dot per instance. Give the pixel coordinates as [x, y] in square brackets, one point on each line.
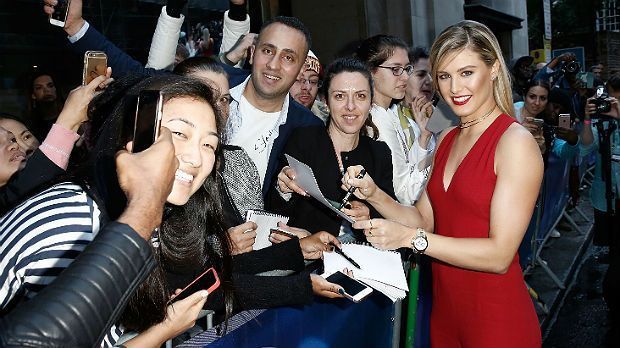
[478, 203]
[349, 91]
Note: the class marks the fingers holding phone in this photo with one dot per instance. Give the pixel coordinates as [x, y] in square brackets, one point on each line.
[182, 314]
[148, 175]
[74, 111]
[324, 288]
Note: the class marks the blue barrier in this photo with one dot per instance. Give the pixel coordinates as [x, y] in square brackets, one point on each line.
[325, 323]
[551, 202]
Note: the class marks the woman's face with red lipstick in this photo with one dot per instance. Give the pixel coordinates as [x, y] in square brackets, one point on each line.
[466, 83]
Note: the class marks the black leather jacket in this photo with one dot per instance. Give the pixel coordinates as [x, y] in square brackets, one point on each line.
[79, 307]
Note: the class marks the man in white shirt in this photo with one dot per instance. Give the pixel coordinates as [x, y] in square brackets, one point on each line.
[262, 113]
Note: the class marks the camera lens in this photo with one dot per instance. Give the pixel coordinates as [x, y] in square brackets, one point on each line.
[603, 106]
[573, 67]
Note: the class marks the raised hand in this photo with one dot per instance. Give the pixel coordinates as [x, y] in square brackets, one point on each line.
[73, 113]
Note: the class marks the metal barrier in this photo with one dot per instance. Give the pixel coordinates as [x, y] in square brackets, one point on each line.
[372, 322]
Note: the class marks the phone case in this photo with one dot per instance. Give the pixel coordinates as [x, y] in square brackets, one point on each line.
[95, 64]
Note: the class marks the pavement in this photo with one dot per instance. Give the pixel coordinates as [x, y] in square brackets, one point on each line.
[572, 313]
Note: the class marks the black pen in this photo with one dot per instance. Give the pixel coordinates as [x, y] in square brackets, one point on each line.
[352, 189]
[346, 257]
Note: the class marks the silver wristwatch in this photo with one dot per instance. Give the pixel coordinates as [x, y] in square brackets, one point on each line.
[419, 243]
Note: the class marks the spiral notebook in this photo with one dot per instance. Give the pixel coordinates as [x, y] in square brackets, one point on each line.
[265, 222]
[382, 270]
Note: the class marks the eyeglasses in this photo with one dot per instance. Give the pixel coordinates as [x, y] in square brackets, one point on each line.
[311, 83]
[398, 70]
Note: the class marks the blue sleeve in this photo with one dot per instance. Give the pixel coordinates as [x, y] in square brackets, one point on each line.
[120, 61]
[545, 73]
[564, 150]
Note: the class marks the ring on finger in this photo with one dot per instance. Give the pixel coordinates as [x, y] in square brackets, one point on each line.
[370, 233]
[370, 222]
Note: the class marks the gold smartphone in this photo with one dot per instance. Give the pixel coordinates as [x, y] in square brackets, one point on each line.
[95, 65]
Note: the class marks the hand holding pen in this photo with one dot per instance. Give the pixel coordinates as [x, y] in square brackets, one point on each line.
[352, 189]
[366, 187]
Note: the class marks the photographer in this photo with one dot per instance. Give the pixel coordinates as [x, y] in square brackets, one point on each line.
[562, 72]
[606, 110]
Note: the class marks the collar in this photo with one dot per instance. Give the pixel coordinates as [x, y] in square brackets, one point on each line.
[235, 119]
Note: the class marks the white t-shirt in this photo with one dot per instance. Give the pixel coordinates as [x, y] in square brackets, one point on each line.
[256, 134]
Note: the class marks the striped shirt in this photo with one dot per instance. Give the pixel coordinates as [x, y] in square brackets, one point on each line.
[41, 237]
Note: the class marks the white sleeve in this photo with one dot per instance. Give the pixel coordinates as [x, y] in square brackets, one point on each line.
[165, 40]
[408, 182]
[232, 31]
[80, 33]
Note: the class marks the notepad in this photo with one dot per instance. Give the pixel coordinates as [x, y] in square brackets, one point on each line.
[265, 222]
[382, 270]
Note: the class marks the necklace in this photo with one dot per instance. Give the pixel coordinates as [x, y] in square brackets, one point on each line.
[476, 121]
[336, 152]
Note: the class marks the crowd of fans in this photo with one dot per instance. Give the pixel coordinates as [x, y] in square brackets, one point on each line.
[71, 190]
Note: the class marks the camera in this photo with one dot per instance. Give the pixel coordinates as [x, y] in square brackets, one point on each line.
[572, 67]
[601, 102]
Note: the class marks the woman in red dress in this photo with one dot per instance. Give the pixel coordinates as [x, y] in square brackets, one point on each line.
[477, 205]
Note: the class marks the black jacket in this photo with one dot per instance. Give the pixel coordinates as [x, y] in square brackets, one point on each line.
[313, 146]
[79, 307]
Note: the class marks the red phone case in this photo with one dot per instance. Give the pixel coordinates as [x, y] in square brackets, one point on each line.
[209, 290]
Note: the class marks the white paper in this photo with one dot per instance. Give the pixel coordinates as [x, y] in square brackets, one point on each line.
[380, 269]
[306, 180]
[265, 222]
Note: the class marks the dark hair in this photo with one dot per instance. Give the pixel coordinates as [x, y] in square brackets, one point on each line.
[7, 116]
[191, 235]
[375, 50]
[196, 64]
[614, 82]
[292, 22]
[560, 97]
[539, 83]
[350, 64]
[417, 53]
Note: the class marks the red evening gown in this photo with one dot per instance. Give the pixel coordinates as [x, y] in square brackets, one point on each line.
[470, 308]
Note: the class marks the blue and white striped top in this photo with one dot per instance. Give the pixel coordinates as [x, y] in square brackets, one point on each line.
[41, 237]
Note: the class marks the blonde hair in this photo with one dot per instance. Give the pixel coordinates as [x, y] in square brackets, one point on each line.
[480, 39]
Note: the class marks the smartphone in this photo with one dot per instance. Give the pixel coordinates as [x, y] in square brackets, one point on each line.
[208, 280]
[353, 289]
[148, 119]
[536, 121]
[283, 232]
[95, 64]
[61, 10]
[435, 99]
[564, 121]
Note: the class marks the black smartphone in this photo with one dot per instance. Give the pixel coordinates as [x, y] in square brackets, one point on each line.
[435, 99]
[353, 289]
[208, 280]
[61, 10]
[148, 119]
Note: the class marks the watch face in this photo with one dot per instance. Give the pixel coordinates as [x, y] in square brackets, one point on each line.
[420, 243]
